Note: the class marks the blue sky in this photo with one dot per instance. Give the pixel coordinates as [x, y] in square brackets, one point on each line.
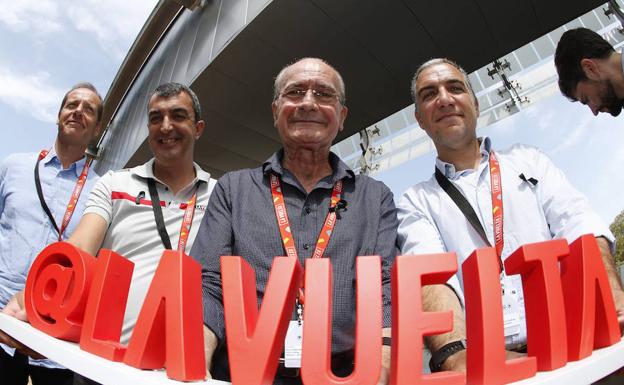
[49, 45]
[588, 149]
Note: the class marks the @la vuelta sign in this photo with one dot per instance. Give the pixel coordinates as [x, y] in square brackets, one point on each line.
[570, 311]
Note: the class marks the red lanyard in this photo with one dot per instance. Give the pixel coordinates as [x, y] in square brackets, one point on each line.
[187, 221]
[497, 205]
[284, 225]
[71, 206]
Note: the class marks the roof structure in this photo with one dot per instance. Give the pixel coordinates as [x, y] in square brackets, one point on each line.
[229, 51]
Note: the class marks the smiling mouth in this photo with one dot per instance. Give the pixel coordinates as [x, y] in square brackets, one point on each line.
[167, 140]
[448, 116]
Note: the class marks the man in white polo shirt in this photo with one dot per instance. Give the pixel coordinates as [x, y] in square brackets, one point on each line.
[138, 212]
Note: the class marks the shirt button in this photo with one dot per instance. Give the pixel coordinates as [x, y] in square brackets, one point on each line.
[307, 209]
[306, 246]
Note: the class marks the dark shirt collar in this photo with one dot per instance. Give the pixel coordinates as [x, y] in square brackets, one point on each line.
[339, 169]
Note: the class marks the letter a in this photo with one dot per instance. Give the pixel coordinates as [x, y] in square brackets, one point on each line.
[590, 310]
[255, 341]
[169, 331]
[317, 330]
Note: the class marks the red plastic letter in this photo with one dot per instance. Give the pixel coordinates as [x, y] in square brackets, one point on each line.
[410, 323]
[537, 263]
[174, 300]
[317, 330]
[255, 341]
[106, 306]
[57, 288]
[592, 320]
[485, 356]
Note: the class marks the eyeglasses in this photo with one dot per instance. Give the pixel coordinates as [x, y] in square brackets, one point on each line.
[321, 96]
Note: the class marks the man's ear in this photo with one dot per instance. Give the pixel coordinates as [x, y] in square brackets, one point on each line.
[199, 129]
[592, 69]
[274, 111]
[417, 116]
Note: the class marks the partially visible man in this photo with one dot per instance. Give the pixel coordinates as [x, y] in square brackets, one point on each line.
[590, 71]
[308, 112]
[42, 197]
[454, 211]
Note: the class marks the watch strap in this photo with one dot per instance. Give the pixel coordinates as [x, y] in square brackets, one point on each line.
[438, 357]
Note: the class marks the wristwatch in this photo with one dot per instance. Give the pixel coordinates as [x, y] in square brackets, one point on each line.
[438, 357]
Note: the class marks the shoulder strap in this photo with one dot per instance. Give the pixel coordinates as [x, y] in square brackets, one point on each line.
[158, 216]
[462, 204]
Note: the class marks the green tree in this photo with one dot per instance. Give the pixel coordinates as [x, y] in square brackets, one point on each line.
[617, 228]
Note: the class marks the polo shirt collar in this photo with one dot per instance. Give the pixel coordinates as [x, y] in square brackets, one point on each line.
[448, 169]
[146, 171]
[339, 169]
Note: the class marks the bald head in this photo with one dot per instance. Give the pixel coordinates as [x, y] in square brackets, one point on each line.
[312, 65]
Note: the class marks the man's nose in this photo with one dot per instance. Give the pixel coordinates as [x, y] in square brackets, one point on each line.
[309, 100]
[167, 124]
[444, 97]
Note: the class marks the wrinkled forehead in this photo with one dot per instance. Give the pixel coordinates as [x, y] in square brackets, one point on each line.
[310, 72]
[439, 73]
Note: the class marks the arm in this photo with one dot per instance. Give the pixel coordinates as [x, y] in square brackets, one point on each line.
[443, 298]
[614, 280]
[213, 240]
[89, 233]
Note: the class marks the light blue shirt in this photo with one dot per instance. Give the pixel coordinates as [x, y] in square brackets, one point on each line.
[25, 229]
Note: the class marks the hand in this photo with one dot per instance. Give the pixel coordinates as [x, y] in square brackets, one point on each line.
[15, 308]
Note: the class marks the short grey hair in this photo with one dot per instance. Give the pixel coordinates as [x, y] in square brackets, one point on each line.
[436, 61]
[168, 90]
[280, 79]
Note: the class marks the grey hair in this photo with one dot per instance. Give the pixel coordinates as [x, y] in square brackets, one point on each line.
[168, 90]
[433, 62]
[280, 79]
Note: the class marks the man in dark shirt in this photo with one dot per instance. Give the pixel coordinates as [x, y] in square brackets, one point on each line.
[308, 112]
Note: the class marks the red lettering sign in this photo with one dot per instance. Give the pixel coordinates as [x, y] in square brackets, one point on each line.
[66, 285]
